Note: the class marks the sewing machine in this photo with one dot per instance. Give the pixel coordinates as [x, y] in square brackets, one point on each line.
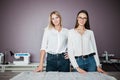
[22, 58]
[1, 58]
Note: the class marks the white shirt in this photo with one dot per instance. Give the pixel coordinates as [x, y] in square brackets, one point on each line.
[79, 45]
[54, 41]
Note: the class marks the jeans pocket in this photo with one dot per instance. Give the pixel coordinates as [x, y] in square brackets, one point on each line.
[92, 60]
[50, 57]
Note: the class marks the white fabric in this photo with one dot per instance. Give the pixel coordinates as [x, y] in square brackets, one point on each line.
[62, 76]
[81, 45]
[54, 41]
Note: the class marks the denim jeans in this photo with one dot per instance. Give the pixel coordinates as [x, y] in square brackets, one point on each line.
[87, 64]
[57, 62]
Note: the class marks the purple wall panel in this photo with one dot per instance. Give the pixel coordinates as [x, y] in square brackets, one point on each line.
[22, 23]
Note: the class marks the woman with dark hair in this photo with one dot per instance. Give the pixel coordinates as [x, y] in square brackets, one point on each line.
[82, 48]
[54, 43]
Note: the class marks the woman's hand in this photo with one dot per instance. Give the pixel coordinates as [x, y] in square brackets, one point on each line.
[66, 56]
[39, 69]
[100, 70]
[80, 70]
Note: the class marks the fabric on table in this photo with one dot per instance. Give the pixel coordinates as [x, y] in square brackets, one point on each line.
[62, 76]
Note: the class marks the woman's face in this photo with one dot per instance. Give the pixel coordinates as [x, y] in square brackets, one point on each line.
[55, 20]
[82, 18]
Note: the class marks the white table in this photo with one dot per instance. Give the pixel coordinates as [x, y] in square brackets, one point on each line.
[62, 76]
[14, 67]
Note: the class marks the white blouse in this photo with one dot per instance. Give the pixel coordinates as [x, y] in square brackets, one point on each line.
[79, 45]
[53, 41]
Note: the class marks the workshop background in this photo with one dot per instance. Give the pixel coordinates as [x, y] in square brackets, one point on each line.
[22, 23]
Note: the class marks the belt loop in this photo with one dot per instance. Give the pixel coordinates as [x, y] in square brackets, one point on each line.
[78, 59]
[83, 57]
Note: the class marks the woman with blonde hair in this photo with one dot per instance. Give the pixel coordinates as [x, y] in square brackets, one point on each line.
[54, 43]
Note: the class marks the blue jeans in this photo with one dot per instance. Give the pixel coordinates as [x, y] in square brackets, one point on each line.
[57, 62]
[87, 64]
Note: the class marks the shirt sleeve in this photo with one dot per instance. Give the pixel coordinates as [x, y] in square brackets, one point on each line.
[93, 42]
[71, 51]
[67, 39]
[44, 40]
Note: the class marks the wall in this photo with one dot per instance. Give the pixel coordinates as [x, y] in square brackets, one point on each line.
[22, 23]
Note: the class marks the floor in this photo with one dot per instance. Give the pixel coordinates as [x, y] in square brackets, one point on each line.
[8, 75]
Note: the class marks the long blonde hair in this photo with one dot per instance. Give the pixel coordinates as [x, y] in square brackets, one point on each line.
[50, 24]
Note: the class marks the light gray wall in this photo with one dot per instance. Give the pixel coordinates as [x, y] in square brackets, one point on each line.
[22, 23]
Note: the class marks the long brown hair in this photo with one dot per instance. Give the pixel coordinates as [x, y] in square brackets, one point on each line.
[87, 25]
